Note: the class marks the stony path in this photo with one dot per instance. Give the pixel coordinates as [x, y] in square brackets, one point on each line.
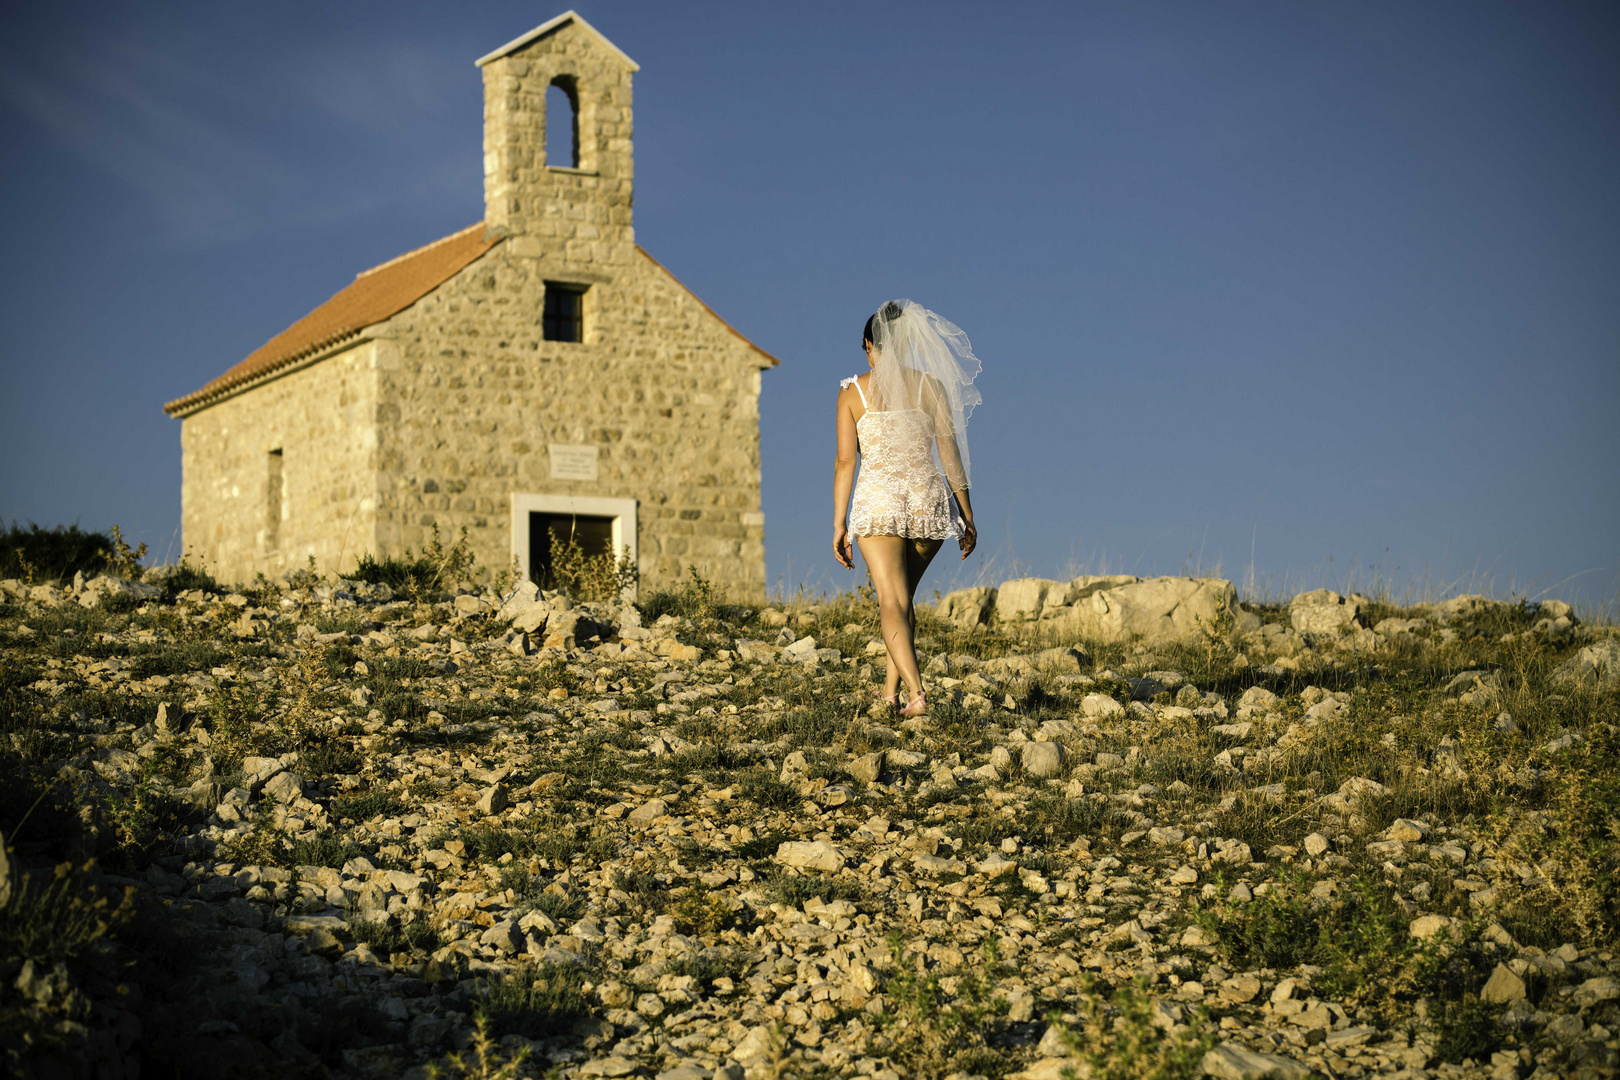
[696, 849]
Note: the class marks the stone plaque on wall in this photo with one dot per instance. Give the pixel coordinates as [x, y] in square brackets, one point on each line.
[573, 462]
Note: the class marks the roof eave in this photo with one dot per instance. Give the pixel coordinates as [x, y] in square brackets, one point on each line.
[193, 403]
[554, 24]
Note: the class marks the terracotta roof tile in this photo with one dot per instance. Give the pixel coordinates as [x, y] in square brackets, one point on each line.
[372, 297]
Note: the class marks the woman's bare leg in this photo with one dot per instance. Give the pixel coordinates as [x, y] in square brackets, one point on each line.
[897, 565]
[919, 553]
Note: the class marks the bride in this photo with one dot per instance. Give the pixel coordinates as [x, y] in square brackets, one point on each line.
[907, 419]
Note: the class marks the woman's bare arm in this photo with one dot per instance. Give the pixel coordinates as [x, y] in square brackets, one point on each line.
[844, 478]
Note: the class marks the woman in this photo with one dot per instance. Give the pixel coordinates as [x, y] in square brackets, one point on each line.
[907, 419]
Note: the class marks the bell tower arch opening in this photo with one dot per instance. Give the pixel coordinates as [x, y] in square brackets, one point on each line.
[562, 123]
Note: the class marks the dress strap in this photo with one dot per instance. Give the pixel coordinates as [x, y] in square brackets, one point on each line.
[855, 381]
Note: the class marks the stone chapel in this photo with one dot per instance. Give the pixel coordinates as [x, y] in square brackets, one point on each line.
[538, 370]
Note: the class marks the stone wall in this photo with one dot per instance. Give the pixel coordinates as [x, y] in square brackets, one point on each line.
[323, 419]
[473, 397]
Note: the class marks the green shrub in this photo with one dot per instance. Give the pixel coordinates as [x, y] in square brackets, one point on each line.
[372, 803]
[710, 964]
[172, 657]
[388, 938]
[1122, 1041]
[762, 846]
[938, 1020]
[1360, 941]
[765, 790]
[589, 577]
[434, 569]
[321, 851]
[56, 916]
[534, 1002]
[185, 577]
[328, 757]
[692, 599]
[794, 889]
[560, 907]
[35, 554]
[1468, 1028]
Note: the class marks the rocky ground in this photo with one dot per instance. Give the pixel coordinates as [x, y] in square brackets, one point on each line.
[312, 828]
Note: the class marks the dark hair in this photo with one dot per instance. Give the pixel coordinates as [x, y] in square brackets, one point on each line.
[889, 312]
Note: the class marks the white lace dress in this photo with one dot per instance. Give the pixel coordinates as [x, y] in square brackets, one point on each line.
[900, 490]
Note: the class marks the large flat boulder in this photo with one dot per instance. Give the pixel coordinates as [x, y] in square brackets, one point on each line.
[1155, 609]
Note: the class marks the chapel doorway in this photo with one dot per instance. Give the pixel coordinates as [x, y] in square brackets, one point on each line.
[593, 534]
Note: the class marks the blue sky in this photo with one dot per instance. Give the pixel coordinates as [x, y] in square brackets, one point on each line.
[1329, 294]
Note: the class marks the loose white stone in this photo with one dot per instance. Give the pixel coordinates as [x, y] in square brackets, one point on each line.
[810, 855]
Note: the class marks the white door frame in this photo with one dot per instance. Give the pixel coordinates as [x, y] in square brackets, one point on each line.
[622, 511]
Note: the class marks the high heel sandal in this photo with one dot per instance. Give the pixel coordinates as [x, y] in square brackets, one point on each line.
[917, 706]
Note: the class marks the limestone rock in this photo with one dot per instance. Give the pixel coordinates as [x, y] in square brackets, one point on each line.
[525, 609]
[532, 619]
[1258, 698]
[1460, 606]
[493, 800]
[1042, 760]
[257, 770]
[1100, 705]
[1406, 830]
[868, 767]
[99, 590]
[651, 810]
[1595, 667]
[1323, 612]
[284, 787]
[967, 608]
[995, 865]
[802, 649]
[1022, 598]
[1595, 990]
[1165, 609]
[1230, 1061]
[1427, 926]
[504, 936]
[810, 855]
[936, 864]
[1394, 628]
[1503, 987]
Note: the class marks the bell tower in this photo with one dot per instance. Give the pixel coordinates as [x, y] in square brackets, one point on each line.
[576, 217]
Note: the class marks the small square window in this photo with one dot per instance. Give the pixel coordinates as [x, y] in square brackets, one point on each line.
[564, 318]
